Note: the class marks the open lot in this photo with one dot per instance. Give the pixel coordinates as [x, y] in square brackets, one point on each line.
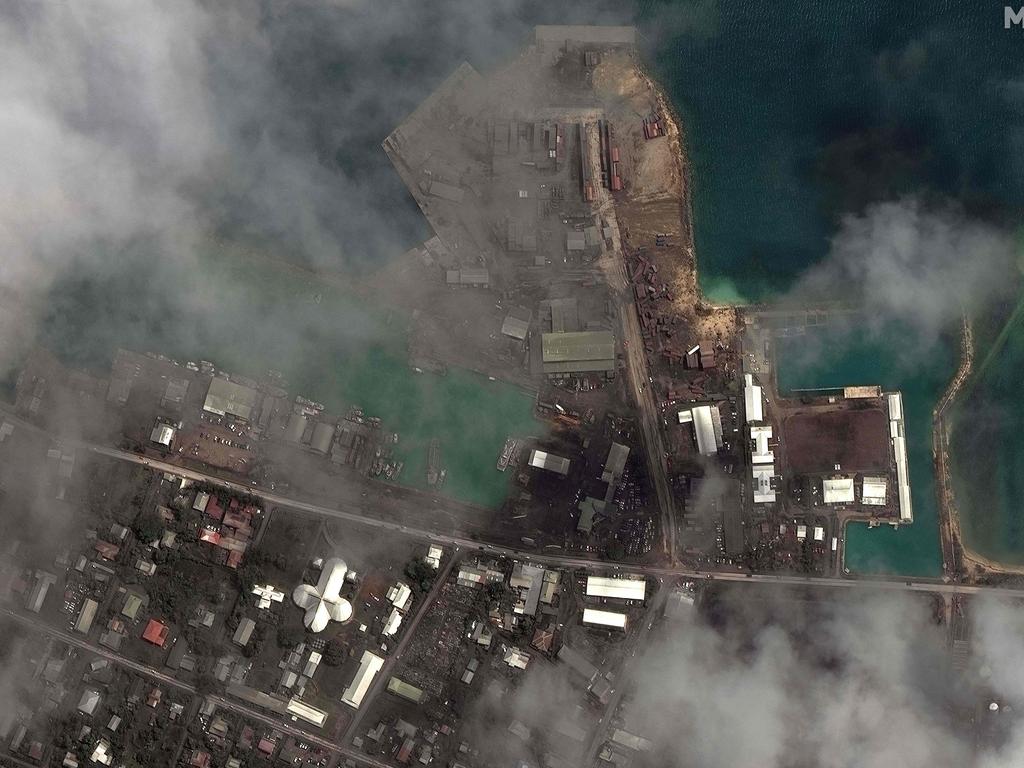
[856, 440]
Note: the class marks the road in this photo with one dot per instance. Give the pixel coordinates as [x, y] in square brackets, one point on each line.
[357, 512]
[407, 635]
[637, 364]
[172, 682]
[622, 678]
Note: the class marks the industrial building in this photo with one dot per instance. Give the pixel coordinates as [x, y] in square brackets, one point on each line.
[565, 354]
[837, 490]
[85, 617]
[517, 323]
[303, 711]
[620, 588]
[405, 690]
[162, 434]
[753, 399]
[760, 453]
[323, 602]
[323, 436]
[226, 398]
[604, 618]
[243, 632]
[369, 666]
[549, 461]
[899, 449]
[761, 476]
[468, 277]
[707, 427]
[615, 463]
[296, 427]
[872, 491]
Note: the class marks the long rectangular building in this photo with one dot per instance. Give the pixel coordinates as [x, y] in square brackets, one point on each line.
[550, 462]
[369, 666]
[604, 618]
[616, 587]
[899, 449]
[226, 398]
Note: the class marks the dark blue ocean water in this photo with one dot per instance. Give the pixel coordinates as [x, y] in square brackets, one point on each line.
[799, 112]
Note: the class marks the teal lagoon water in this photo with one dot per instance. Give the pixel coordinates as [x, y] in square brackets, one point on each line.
[839, 357]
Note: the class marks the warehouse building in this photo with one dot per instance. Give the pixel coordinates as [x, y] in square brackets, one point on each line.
[85, 618]
[323, 436]
[753, 400]
[760, 453]
[837, 490]
[872, 492]
[899, 449]
[707, 427]
[303, 711]
[469, 277]
[566, 354]
[604, 618]
[226, 398]
[549, 461]
[369, 666]
[296, 428]
[615, 464]
[517, 323]
[619, 588]
[762, 475]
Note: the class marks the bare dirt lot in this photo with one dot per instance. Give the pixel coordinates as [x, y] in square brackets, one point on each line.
[855, 440]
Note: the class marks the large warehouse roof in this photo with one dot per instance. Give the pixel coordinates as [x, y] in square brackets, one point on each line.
[707, 426]
[615, 463]
[838, 490]
[762, 476]
[761, 453]
[873, 491]
[296, 427]
[612, 586]
[227, 398]
[578, 351]
[323, 435]
[549, 461]
[752, 399]
[369, 666]
[604, 618]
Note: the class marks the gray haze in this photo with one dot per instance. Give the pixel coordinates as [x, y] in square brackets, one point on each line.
[915, 265]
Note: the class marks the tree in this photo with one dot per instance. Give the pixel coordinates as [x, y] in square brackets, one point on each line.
[290, 635]
[148, 526]
[334, 653]
[420, 574]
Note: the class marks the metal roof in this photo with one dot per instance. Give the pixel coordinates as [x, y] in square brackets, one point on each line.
[617, 587]
[578, 346]
[369, 666]
[837, 490]
[549, 461]
[604, 618]
[227, 398]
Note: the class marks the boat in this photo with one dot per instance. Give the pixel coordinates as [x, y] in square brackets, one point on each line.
[433, 461]
[441, 478]
[506, 454]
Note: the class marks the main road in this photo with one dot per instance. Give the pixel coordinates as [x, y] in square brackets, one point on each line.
[407, 506]
[357, 513]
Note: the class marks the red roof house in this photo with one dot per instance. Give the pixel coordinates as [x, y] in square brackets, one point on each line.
[156, 633]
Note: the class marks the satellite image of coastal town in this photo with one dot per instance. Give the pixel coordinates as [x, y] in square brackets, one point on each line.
[511, 384]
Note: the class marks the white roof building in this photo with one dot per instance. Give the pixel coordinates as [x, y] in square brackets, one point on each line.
[300, 709]
[899, 450]
[393, 623]
[837, 490]
[872, 491]
[516, 658]
[369, 666]
[400, 595]
[433, 558]
[707, 427]
[549, 461]
[760, 453]
[101, 753]
[762, 475]
[752, 399]
[616, 587]
[323, 602]
[162, 434]
[267, 595]
[604, 618]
